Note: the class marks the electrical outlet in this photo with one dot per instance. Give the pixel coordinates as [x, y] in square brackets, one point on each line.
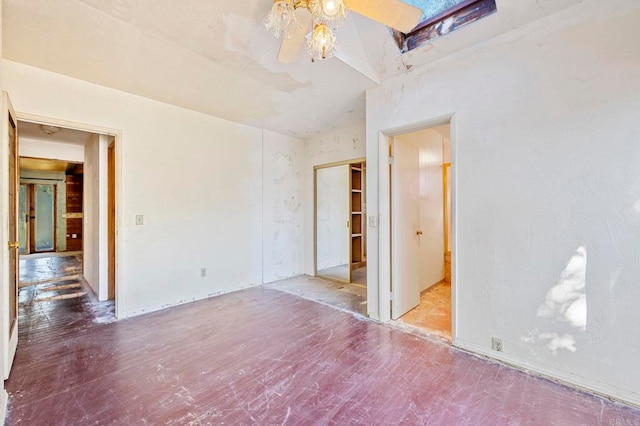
[203, 272]
[139, 219]
[496, 344]
[373, 221]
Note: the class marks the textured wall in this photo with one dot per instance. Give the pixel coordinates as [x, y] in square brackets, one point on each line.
[547, 190]
[283, 161]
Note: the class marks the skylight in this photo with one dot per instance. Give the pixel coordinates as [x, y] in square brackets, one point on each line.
[441, 17]
[433, 8]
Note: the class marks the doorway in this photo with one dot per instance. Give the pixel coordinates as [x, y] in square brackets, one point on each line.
[65, 214]
[421, 231]
[341, 252]
[67, 206]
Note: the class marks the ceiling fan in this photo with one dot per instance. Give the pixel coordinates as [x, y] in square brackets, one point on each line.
[315, 21]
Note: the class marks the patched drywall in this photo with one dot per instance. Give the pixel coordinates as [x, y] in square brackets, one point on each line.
[283, 214]
[332, 147]
[545, 167]
[209, 215]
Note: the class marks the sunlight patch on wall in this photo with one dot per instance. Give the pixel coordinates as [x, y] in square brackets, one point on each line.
[567, 300]
[565, 305]
[567, 342]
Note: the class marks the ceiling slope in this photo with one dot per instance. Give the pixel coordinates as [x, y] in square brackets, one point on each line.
[216, 57]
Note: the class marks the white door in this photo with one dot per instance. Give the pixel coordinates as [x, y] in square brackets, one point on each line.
[9, 305]
[405, 228]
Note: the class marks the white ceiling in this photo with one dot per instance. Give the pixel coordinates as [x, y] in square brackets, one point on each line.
[217, 58]
[67, 136]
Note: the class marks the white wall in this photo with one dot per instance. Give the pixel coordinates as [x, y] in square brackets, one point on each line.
[332, 147]
[198, 181]
[333, 237]
[52, 150]
[95, 256]
[430, 144]
[545, 167]
[90, 208]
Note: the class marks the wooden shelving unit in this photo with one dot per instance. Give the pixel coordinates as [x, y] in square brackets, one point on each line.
[358, 225]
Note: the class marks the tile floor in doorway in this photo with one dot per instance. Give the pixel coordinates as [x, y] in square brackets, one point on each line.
[433, 315]
[340, 295]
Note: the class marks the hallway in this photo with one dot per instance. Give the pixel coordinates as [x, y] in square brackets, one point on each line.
[263, 356]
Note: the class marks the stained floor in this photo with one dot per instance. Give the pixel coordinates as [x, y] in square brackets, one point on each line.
[264, 356]
[41, 268]
[54, 300]
[433, 315]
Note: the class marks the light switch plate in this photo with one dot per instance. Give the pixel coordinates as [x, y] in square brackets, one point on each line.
[373, 221]
[139, 219]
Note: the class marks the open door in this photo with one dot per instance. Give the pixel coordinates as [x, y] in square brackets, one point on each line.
[9, 299]
[405, 231]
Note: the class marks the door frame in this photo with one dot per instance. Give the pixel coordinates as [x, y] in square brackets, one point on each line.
[119, 186]
[315, 213]
[383, 285]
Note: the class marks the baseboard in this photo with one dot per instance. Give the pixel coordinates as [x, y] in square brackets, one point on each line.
[590, 386]
[154, 308]
[159, 307]
[4, 404]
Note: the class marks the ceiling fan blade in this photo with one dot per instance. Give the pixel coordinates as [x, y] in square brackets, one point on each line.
[290, 48]
[392, 13]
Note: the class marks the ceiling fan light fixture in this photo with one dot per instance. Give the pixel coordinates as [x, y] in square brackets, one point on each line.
[322, 44]
[281, 19]
[330, 12]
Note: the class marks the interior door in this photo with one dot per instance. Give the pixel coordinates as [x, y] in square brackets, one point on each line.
[44, 218]
[9, 306]
[405, 228]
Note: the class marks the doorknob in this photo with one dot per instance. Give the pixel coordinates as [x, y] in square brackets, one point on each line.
[419, 232]
[14, 245]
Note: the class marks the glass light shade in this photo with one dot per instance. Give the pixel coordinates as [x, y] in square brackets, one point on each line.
[282, 20]
[331, 12]
[323, 43]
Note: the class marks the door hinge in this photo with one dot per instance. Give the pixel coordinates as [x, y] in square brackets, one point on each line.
[391, 159]
[391, 296]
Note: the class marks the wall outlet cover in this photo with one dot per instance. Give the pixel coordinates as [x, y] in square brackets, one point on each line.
[496, 344]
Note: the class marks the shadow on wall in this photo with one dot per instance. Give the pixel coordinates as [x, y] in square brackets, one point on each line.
[565, 306]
